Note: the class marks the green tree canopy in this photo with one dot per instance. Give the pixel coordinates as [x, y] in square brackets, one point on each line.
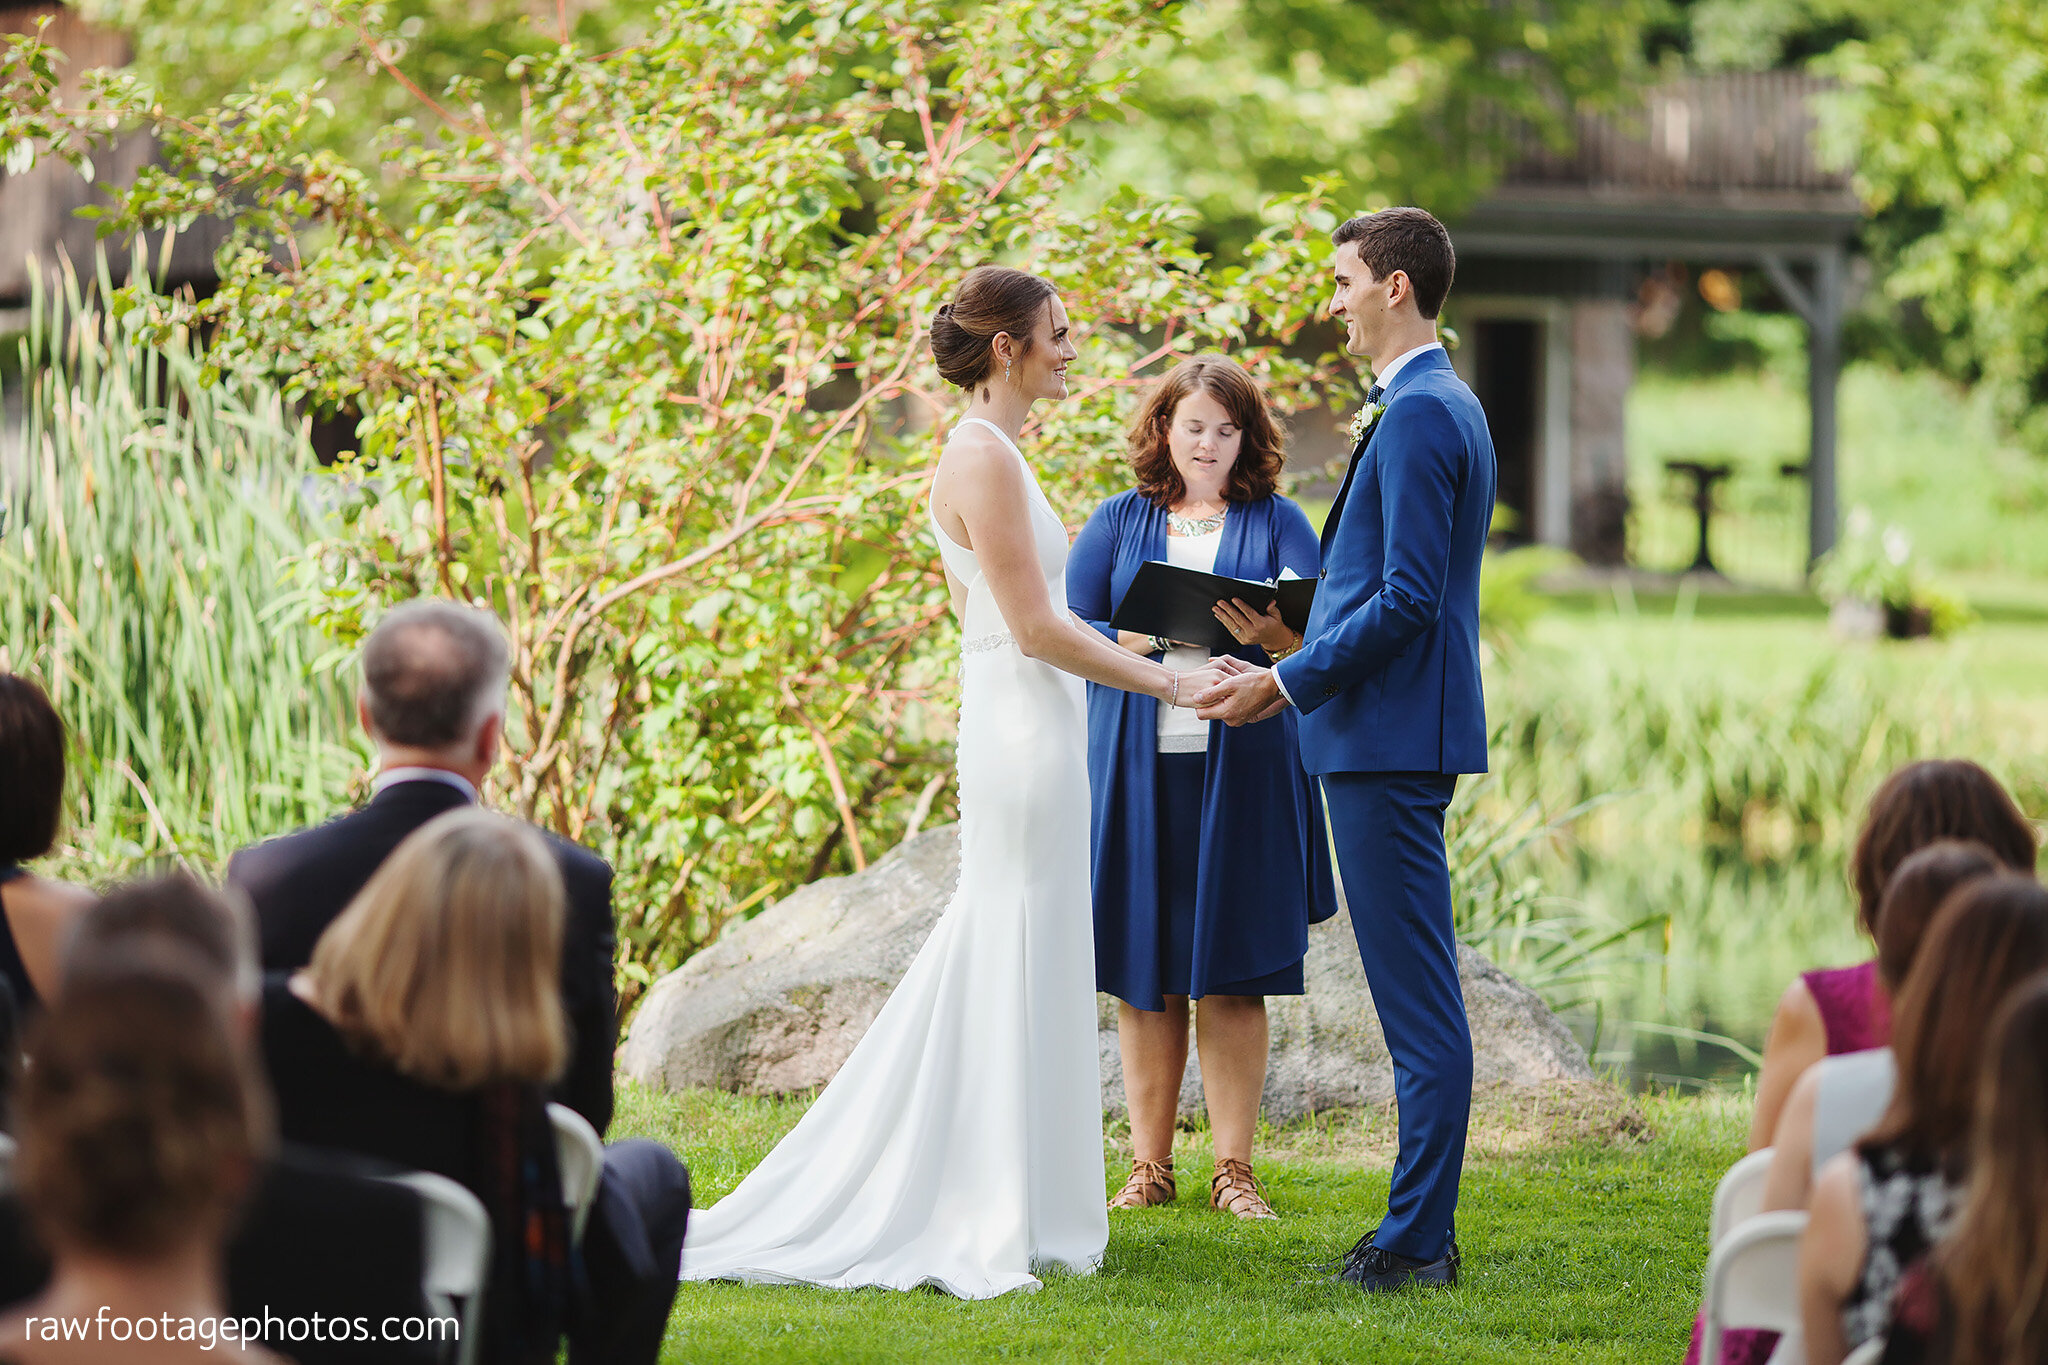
[642, 364]
[1415, 101]
[1236, 99]
[196, 54]
[1942, 117]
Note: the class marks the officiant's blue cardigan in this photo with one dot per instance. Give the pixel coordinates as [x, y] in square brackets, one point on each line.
[1265, 863]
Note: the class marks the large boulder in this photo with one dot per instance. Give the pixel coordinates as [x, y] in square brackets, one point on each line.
[777, 1003]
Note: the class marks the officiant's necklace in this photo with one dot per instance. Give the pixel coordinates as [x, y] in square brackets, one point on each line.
[1189, 527]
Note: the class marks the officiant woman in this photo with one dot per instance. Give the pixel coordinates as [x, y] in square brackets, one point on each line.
[1210, 860]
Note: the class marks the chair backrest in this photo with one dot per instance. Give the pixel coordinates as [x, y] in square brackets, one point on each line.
[1753, 1278]
[579, 1152]
[1739, 1196]
[329, 1232]
[1851, 1092]
[1869, 1353]
[457, 1263]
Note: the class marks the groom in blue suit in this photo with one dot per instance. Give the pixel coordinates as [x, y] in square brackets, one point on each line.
[1387, 682]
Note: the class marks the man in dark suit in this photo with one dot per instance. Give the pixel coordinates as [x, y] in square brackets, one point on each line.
[1387, 683]
[433, 702]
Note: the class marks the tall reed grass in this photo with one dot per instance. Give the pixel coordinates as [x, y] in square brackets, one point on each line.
[1776, 764]
[1503, 906]
[149, 567]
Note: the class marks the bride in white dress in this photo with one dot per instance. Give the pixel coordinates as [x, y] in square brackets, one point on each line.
[960, 1145]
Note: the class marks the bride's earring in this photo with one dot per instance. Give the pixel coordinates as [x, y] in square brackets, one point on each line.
[1006, 371]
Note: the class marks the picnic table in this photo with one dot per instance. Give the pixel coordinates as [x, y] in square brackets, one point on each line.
[1704, 474]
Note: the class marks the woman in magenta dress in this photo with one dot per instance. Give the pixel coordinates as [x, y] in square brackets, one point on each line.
[1832, 1010]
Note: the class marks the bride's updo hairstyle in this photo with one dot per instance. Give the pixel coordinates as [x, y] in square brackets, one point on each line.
[992, 299]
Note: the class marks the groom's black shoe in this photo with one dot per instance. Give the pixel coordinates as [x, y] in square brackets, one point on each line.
[1377, 1270]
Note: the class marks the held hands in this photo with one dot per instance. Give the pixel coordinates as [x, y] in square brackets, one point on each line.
[1247, 696]
[1186, 687]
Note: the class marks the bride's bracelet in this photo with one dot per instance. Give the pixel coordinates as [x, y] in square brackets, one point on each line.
[1174, 701]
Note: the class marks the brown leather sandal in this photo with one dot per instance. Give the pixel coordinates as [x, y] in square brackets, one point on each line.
[1151, 1183]
[1234, 1189]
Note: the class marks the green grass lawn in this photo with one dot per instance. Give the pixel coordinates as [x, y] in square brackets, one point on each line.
[1585, 1248]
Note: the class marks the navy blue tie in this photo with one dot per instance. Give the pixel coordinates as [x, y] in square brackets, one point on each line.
[1372, 395]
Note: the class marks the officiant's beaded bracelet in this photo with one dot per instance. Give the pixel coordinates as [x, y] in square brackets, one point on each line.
[982, 644]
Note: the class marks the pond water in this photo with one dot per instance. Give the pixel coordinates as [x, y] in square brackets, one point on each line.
[1691, 1005]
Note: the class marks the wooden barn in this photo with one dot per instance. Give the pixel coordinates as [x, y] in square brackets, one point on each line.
[1556, 265]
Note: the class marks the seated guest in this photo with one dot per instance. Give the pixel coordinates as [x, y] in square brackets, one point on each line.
[1840, 1097]
[176, 909]
[424, 1032]
[433, 702]
[140, 1121]
[1878, 1208]
[1831, 1011]
[1987, 1303]
[34, 911]
[321, 1233]
[1222, 922]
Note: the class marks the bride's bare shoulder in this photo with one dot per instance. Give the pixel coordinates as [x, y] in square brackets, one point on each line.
[974, 455]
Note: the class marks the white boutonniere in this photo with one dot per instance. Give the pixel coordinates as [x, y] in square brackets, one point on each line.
[1363, 422]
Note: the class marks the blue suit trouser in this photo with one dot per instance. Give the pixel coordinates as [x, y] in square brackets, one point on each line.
[632, 1255]
[1389, 834]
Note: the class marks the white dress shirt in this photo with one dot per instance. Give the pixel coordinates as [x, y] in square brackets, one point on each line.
[1385, 379]
[1180, 730]
[391, 777]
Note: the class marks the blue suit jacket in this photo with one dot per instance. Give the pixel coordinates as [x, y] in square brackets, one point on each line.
[1388, 679]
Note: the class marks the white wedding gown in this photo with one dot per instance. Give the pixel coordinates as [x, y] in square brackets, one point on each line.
[961, 1144]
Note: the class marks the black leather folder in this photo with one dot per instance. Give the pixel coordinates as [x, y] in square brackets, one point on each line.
[1179, 604]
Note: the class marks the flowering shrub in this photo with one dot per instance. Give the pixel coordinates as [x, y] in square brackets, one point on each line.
[643, 367]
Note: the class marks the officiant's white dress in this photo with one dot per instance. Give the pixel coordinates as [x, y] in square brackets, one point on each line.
[961, 1144]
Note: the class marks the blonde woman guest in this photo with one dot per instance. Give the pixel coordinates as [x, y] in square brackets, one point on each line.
[426, 1030]
[142, 1124]
[1209, 856]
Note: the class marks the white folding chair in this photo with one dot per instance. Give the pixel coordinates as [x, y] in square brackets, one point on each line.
[1753, 1278]
[579, 1152]
[456, 1258]
[1867, 1354]
[7, 1151]
[1739, 1196]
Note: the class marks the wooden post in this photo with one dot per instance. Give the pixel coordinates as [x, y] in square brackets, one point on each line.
[1602, 368]
[1823, 376]
[1821, 307]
